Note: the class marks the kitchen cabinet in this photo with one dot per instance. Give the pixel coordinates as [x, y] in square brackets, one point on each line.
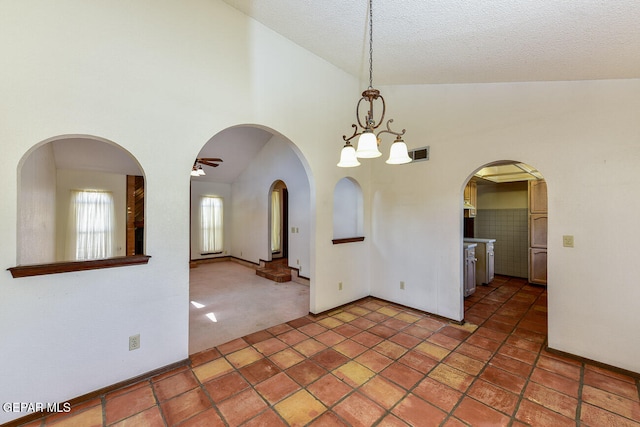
[469, 274]
[485, 264]
[538, 230]
[538, 266]
[538, 197]
[470, 198]
[538, 218]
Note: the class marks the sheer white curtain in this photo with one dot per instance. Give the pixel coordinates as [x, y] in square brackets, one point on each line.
[91, 230]
[211, 224]
[276, 220]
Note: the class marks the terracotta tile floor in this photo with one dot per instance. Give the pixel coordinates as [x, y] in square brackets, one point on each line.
[376, 363]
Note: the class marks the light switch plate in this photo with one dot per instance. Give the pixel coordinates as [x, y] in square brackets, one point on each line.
[567, 241]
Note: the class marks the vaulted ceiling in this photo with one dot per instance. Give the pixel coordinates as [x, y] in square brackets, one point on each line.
[426, 42]
[461, 41]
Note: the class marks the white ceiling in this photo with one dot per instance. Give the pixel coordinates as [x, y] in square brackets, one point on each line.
[462, 41]
[237, 147]
[89, 154]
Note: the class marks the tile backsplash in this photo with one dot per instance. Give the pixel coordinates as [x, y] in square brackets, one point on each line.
[510, 229]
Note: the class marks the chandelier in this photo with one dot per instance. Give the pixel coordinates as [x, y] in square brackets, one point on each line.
[368, 139]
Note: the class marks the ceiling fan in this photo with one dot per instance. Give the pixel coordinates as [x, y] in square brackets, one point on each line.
[197, 170]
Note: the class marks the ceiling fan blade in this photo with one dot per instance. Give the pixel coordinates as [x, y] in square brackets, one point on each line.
[209, 161]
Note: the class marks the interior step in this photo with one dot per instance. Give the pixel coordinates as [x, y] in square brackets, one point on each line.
[277, 270]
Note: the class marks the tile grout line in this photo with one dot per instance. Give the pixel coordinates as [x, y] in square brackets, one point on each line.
[580, 386]
[155, 396]
[487, 363]
[512, 417]
[533, 366]
[206, 392]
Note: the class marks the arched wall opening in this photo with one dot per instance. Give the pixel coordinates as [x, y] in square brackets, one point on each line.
[348, 210]
[59, 180]
[504, 228]
[254, 161]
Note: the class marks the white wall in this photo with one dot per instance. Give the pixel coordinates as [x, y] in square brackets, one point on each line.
[250, 205]
[36, 218]
[584, 137]
[507, 195]
[157, 79]
[206, 188]
[67, 180]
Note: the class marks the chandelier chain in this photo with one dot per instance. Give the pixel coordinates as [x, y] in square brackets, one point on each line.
[370, 44]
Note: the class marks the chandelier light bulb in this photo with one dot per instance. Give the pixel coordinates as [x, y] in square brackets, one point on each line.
[398, 154]
[348, 157]
[368, 146]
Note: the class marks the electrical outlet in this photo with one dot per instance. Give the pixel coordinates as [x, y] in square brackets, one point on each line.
[402, 285]
[134, 342]
[567, 241]
[339, 286]
[297, 262]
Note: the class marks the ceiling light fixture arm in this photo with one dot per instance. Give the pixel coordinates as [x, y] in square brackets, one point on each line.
[370, 95]
[388, 130]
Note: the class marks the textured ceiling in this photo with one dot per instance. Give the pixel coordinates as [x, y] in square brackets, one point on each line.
[461, 41]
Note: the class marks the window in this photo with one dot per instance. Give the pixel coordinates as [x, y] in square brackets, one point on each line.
[91, 225]
[211, 225]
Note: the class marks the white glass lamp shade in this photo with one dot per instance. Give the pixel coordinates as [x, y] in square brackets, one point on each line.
[368, 146]
[201, 171]
[194, 172]
[348, 157]
[398, 154]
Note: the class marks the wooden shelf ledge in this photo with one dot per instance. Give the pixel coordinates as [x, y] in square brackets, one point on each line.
[69, 266]
[347, 240]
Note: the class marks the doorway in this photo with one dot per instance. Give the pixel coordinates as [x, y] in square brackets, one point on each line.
[279, 220]
[228, 299]
[505, 203]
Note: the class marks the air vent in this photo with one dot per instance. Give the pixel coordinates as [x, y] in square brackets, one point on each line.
[419, 154]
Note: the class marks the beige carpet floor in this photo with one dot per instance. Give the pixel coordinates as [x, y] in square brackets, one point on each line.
[241, 303]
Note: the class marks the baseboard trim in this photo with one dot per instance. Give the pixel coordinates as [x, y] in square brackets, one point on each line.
[96, 393]
[417, 310]
[581, 359]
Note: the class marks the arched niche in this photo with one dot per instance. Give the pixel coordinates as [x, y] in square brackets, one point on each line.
[348, 211]
[48, 175]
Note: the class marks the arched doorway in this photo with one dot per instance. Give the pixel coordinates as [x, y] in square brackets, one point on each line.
[229, 300]
[504, 229]
[278, 220]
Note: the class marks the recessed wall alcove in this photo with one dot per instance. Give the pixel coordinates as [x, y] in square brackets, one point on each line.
[348, 211]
